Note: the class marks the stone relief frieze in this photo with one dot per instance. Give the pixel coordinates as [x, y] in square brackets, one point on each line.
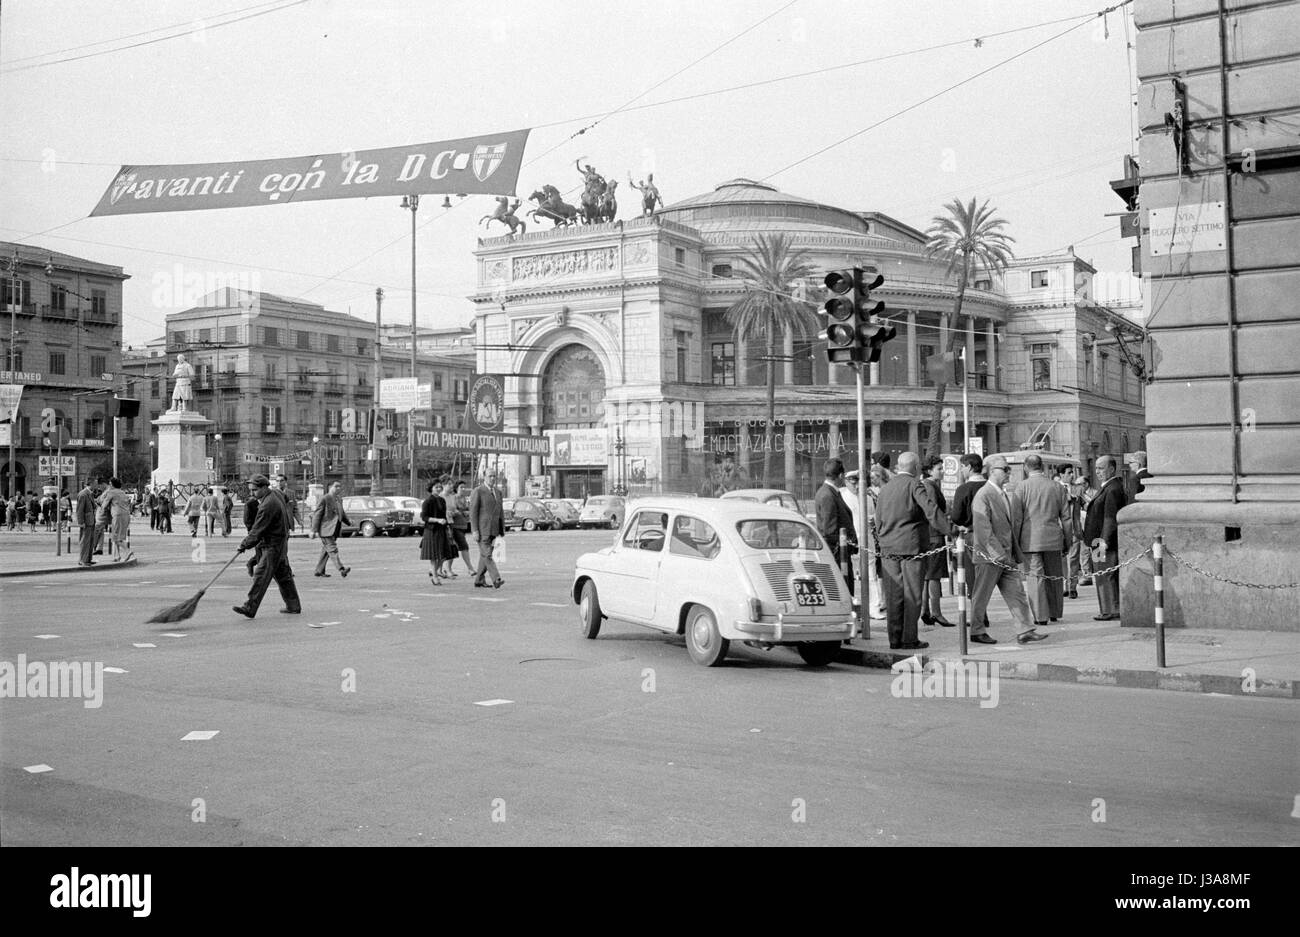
[565, 264]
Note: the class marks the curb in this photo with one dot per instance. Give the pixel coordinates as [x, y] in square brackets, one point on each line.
[125, 564]
[1097, 676]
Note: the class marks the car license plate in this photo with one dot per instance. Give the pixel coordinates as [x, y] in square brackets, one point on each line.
[808, 592]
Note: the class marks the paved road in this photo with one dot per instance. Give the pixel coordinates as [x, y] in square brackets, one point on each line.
[763, 750]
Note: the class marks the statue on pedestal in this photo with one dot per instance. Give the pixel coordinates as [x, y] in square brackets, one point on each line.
[183, 393]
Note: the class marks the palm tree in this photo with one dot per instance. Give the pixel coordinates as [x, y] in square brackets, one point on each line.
[970, 239]
[767, 311]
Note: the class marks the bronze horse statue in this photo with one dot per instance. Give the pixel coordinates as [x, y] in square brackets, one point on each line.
[505, 214]
[551, 205]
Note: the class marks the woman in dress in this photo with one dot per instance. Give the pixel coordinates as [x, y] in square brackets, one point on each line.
[458, 508]
[115, 514]
[936, 566]
[435, 544]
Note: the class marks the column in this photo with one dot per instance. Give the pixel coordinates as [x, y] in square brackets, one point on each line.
[787, 349]
[990, 353]
[913, 436]
[833, 442]
[911, 348]
[535, 468]
[874, 373]
[875, 437]
[742, 363]
[970, 344]
[789, 456]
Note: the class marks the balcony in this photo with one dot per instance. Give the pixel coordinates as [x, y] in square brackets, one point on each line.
[271, 385]
[303, 386]
[100, 318]
[228, 381]
[364, 390]
[25, 309]
[66, 315]
[334, 390]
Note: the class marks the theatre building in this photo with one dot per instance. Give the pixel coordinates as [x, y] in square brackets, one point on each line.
[614, 343]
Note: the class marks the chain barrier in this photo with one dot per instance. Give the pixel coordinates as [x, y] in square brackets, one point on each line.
[1095, 572]
[1232, 582]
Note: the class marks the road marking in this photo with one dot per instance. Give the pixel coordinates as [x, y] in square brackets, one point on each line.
[115, 670]
[331, 623]
[550, 604]
[174, 634]
[310, 625]
[203, 735]
[46, 637]
[432, 595]
[381, 616]
[478, 598]
[144, 645]
[493, 702]
[37, 769]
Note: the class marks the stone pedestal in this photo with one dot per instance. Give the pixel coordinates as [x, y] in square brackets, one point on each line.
[182, 449]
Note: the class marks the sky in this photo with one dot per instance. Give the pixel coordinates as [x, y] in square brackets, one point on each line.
[209, 80]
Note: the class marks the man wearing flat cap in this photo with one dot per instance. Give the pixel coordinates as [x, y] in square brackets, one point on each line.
[271, 534]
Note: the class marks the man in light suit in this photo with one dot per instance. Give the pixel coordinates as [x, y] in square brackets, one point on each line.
[326, 521]
[1102, 532]
[86, 520]
[999, 530]
[488, 523]
[1047, 513]
[905, 512]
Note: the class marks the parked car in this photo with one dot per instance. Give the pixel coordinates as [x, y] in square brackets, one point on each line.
[603, 511]
[717, 571]
[566, 515]
[528, 513]
[372, 516]
[414, 505]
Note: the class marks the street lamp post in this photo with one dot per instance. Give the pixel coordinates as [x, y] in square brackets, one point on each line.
[217, 460]
[315, 454]
[412, 202]
[619, 446]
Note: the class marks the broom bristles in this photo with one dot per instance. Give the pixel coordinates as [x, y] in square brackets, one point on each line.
[178, 612]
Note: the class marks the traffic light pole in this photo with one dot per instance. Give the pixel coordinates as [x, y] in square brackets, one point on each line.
[864, 535]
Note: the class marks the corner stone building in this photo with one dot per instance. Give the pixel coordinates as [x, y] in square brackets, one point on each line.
[614, 341]
[1225, 406]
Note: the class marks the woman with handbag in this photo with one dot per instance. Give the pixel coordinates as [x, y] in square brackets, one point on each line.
[435, 543]
[458, 508]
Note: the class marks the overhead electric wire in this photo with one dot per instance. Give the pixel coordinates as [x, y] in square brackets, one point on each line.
[146, 42]
[937, 94]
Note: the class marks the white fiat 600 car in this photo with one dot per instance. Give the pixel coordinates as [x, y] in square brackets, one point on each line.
[718, 571]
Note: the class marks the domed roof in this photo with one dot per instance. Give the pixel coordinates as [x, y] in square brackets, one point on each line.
[744, 202]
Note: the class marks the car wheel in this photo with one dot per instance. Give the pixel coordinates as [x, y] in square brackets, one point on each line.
[705, 643]
[530, 524]
[818, 653]
[613, 523]
[589, 610]
[368, 529]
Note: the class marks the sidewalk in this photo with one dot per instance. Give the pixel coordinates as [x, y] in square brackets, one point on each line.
[1228, 661]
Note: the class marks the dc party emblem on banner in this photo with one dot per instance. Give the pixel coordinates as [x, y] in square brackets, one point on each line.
[487, 159]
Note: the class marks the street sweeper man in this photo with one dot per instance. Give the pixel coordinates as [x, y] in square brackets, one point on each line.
[271, 533]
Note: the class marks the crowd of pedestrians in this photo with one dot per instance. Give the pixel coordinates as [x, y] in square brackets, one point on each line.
[1034, 541]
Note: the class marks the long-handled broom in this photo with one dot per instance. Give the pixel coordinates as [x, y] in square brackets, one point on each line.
[186, 608]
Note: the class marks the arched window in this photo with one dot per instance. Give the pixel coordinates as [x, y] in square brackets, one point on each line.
[573, 389]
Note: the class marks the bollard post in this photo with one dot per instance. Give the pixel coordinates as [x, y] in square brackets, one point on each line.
[1158, 583]
[963, 599]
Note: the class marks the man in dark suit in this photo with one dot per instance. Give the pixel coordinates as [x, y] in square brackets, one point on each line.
[250, 518]
[1102, 533]
[86, 509]
[488, 523]
[326, 522]
[1047, 516]
[1000, 530]
[270, 532]
[905, 512]
[834, 517]
[971, 470]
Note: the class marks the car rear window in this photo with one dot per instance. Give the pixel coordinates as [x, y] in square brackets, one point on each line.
[778, 535]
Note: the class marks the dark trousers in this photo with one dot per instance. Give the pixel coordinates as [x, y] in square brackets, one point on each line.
[1108, 585]
[485, 562]
[1046, 595]
[273, 564]
[843, 557]
[903, 581]
[87, 543]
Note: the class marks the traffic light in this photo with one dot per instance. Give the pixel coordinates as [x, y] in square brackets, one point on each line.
[854, 330]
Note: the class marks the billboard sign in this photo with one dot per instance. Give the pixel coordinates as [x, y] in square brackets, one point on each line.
[398, 393]
[579, 447]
